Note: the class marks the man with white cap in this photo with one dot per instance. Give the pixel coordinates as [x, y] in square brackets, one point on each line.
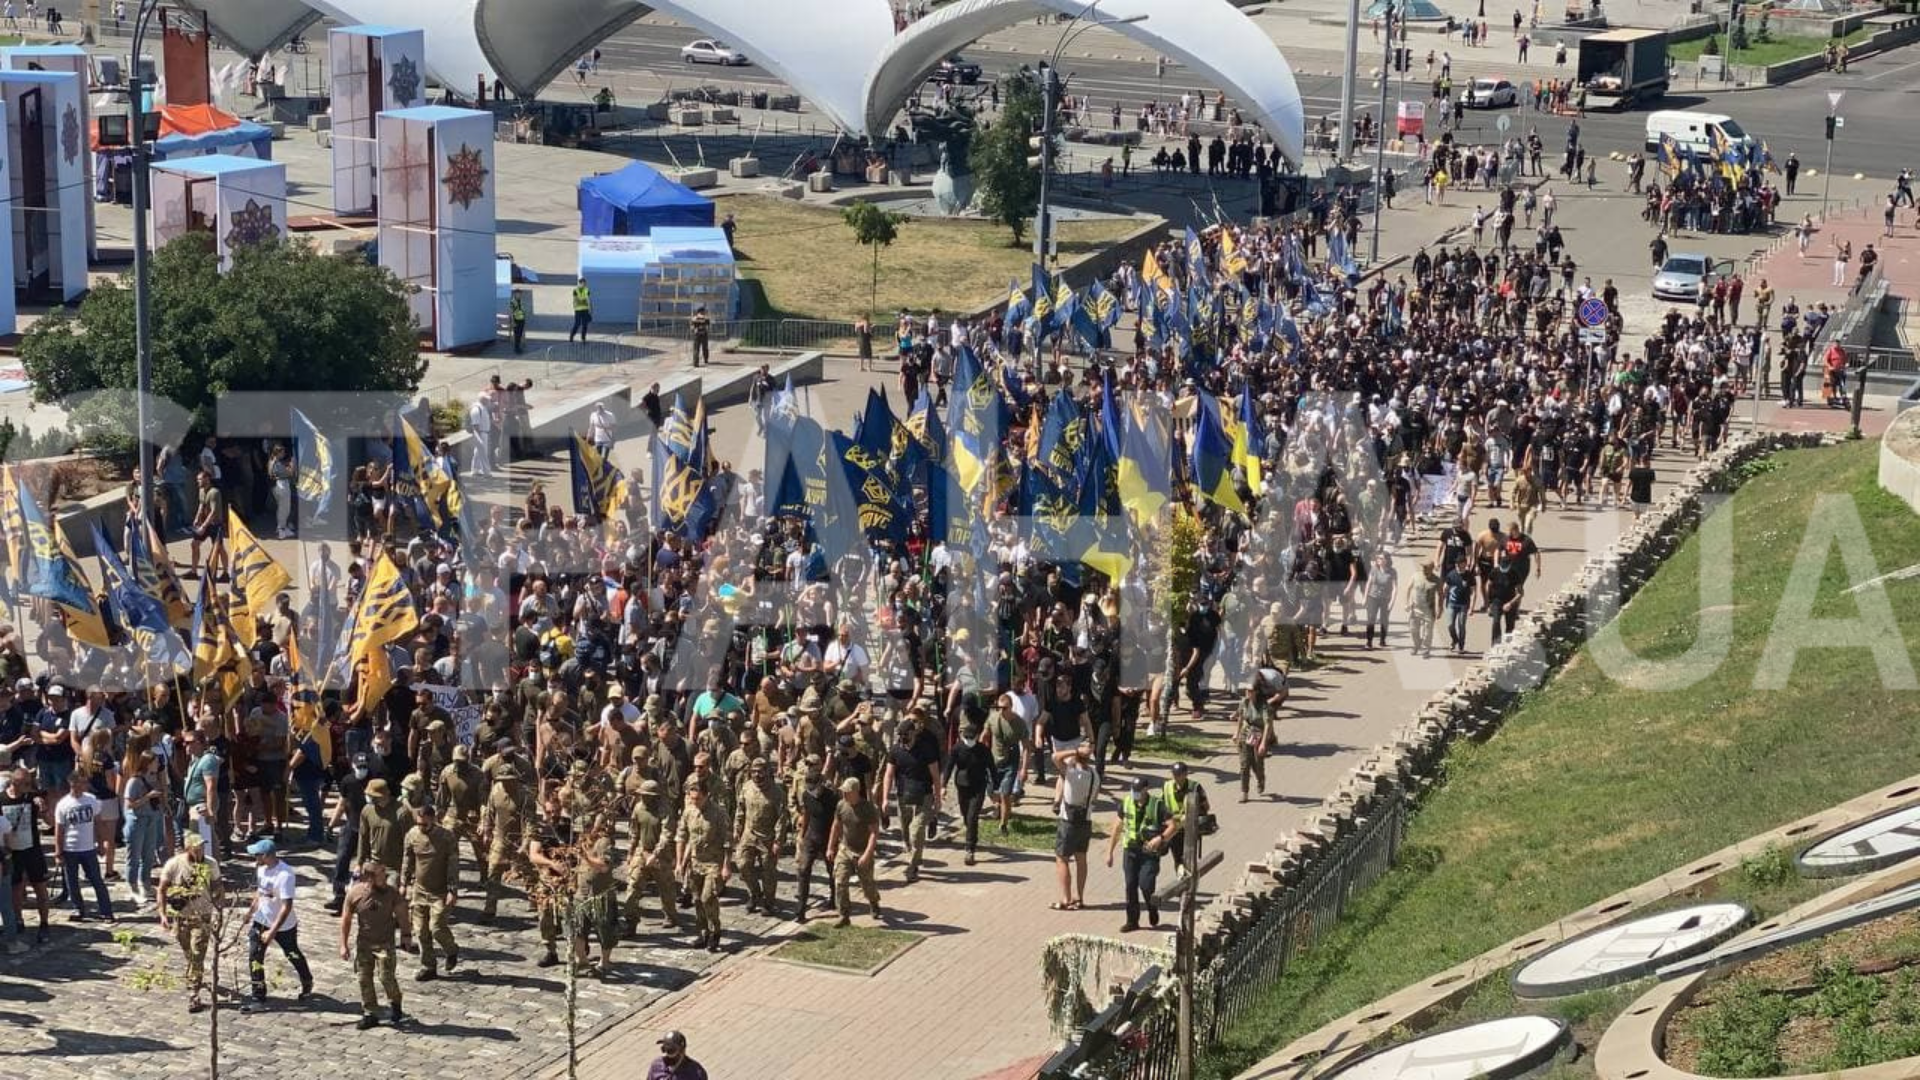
[271, 919]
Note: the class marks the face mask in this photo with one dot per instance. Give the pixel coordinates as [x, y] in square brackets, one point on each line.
[968, 740]
[360, 773]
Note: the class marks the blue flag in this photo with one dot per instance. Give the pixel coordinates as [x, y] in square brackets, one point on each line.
[313, 458]
[140, 613]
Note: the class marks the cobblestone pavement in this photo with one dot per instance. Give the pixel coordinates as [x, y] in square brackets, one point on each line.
[86, 1005]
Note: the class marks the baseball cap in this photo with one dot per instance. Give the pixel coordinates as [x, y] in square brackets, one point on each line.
[673, 1040]
[263, 846]
[23, 684]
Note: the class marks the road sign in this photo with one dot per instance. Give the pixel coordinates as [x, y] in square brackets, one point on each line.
[1505, 123]
[1593, 312]
[1593, 335]
[1833, 99]
[1839, 121]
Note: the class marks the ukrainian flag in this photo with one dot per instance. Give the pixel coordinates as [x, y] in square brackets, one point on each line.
[1212, 458]
[1145, 473]
[1249, 441]
[156, 575]
[1196, 260]
[1042, 299]
[1156, 275]
[1017, 306]
[676, 432]
[255, 573]
[974, 414]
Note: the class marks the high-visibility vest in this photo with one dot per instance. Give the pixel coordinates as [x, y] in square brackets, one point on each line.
[1137, 816]
[581, 298]
[1171, 797]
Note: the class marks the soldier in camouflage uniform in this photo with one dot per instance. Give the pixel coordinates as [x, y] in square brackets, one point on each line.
[430, 875]
[462, 793]
[503, 828]
[650, 862]
[759, 832]
[701, 846]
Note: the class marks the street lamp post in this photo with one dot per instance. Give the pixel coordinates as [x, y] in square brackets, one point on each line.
[1347, 77]
[1050, 98]
[1826, 170]
[1380, 138]
[142, 316]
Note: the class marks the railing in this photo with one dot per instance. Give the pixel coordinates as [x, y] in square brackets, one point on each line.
[786, 335]
[1136, 1037]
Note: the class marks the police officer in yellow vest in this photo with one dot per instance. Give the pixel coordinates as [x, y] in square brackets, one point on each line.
[517, 321]
[582, 311]
[1145, 827]
[1174, 795]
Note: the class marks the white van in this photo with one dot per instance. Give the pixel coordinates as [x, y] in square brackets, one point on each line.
[1692, 130]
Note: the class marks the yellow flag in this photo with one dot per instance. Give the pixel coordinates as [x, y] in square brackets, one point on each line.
[385, 612]
[303, 704]
[376, 678]
[255, 573]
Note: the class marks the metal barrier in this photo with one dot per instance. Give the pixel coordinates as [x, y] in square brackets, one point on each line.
[1137, 1036]
[786, 335]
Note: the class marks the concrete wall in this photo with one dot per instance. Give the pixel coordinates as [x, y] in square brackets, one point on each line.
[1900, 458]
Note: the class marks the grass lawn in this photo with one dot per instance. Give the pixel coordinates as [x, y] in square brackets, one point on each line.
[1180, 744]
[855, 948]
[810, 266]
[1592, 787]
[1778, 49]
[1035, 832]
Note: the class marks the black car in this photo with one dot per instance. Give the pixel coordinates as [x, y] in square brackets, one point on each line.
[957, 69]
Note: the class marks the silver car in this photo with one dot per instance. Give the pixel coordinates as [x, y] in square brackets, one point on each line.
[705, 51]
[1682, 275]
[1489, 94]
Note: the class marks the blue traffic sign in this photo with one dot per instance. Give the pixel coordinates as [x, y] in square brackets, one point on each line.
[1593, 312]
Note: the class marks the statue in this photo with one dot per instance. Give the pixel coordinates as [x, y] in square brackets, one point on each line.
[950, 125]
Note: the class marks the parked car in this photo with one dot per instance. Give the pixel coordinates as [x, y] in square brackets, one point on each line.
[1682, 276]
[1489, 94]
[706, 51]
[956, 69]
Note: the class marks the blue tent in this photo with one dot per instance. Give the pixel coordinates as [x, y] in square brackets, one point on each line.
[634, 200]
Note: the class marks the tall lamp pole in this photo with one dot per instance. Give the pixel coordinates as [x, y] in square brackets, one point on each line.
[1348, 91]
[1050, 96]
[142, 333]
[1380, 139]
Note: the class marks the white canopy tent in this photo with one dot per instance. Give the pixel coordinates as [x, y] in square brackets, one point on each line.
[254, 28]
[1210, 37]
[818, 47]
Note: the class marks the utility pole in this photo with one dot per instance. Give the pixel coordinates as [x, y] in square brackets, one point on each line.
[1049, 97]
[142, 316]
[1347, 87]
[1380, 140]
[1187, 888]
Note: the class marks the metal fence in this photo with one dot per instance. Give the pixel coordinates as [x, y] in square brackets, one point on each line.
[787, 335]
[1136, 1036]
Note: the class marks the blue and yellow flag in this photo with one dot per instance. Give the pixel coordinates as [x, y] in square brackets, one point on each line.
[139, 612]
[685, 498]
[13, 534]
[1144, 477]
[923, 424]
[255, 573]
[1042, 300]
[1063, 434]
[882, 508]
[1212, 458]
[151, 568]
[303, 704]
[975, 417]
[53, 575]
[313, 462]
[1197, 273]
[1231, 260]
[1249, 441]
[1017, 306]
[676, 431]
[1155, 275]
[596, 483]
[409, 470]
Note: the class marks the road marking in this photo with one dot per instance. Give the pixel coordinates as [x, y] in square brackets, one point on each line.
[1893, 71]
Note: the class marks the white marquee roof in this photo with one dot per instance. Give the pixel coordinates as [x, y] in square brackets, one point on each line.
[1210, 37]
[256, 27]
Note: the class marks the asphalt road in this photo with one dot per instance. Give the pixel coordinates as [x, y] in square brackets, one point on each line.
[1880, 95]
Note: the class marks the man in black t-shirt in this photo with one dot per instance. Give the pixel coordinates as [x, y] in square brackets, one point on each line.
[816, 801]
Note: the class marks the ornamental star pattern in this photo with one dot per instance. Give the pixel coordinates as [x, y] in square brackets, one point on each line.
[404, 82]
[252, 224]
[70, 134]
[466, 178]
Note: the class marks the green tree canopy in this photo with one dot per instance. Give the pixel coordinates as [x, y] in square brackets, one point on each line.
[875, 228]
[284, 318]
[1009, 187]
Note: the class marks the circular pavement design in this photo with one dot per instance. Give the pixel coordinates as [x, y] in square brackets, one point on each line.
[1626, 951]
[1740, 952]
[1494, 1050]
[1874, 844]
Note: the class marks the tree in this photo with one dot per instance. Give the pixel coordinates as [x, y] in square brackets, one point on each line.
[875, 228]
[284, 318]
[1010, 188]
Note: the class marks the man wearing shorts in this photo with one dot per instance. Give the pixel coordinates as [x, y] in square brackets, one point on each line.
[25, 812]
[210, 528]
